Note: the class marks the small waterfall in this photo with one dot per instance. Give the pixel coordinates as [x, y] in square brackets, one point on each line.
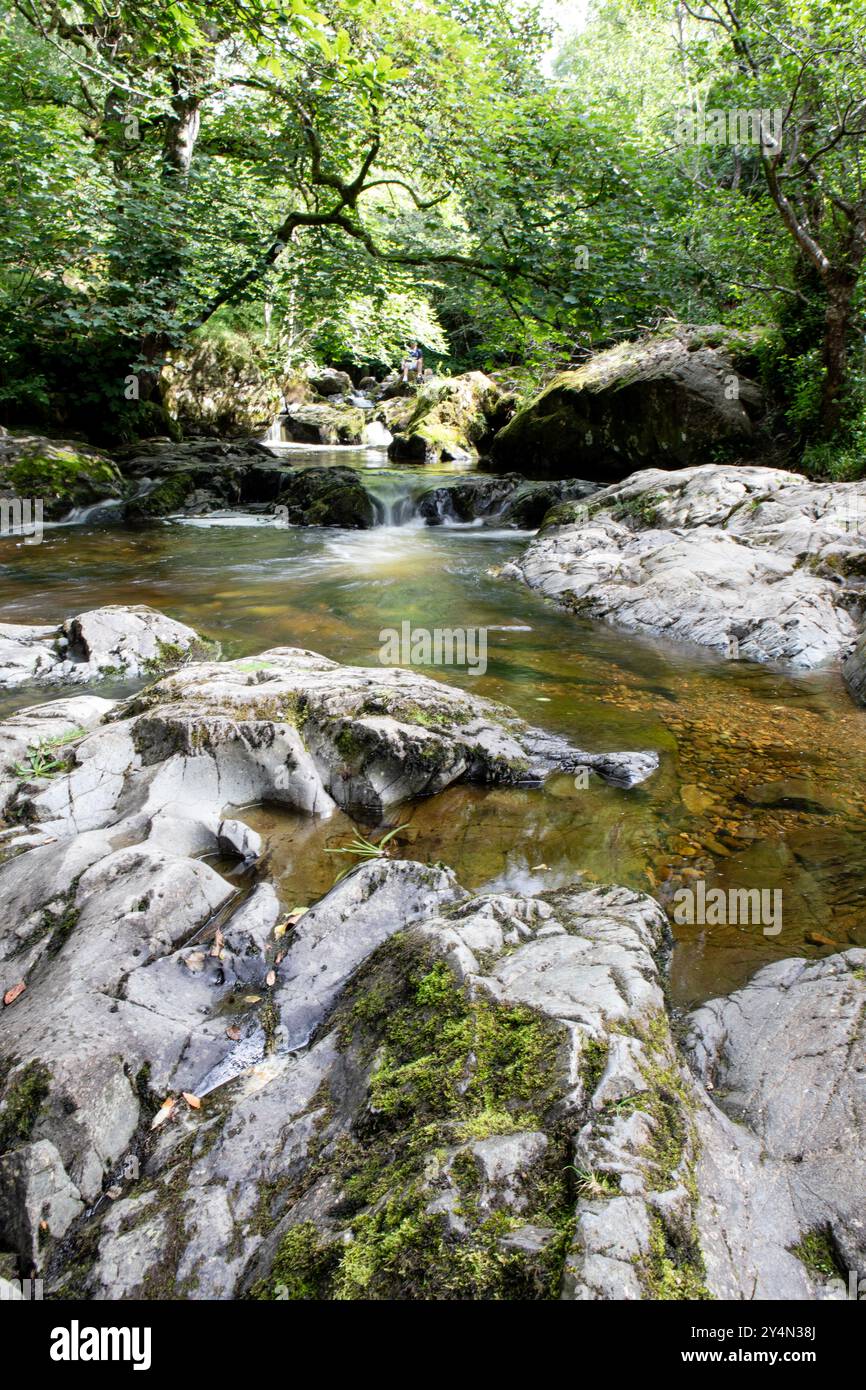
[394, 496]
[95, 511]
[275, 431]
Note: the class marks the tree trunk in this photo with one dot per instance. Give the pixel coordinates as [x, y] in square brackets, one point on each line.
[835, 350]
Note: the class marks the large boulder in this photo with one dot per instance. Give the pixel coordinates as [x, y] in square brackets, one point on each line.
[59, 474]
[195, 475]
[300, 731]
[110, 641]
[448, 420]
[323, 424]
[226, 386]
[410, 1092]
[661, 402]
[329, 381]
[754, 562]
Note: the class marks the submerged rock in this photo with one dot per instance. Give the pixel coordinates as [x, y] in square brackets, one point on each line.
[754, 562]
[662, 401]
[111, 641]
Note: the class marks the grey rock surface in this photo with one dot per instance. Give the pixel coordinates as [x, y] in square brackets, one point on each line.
[754, 562]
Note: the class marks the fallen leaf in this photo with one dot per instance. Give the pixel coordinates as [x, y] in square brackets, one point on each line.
[252, 998]
[216, 948]
[43, 1225]
[535, 867]
[271, 978]
[279, 957]
[113, 1193]
[192, 1101]
[163, 1112]
[195, 961]
[233, 1033]
[295, 915]
[14, 993]
[280, 930]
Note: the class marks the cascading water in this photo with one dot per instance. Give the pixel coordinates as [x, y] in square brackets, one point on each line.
[395, 496]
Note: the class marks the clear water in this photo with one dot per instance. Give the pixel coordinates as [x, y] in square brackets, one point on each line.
[734, 738]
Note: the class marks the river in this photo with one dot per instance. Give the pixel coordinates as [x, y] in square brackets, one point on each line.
[762, 773]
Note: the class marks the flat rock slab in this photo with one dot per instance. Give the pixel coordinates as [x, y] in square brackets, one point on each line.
[754, 562]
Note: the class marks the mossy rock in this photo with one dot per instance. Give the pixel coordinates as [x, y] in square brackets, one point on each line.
[62, 474]
[167, 497]
[662, 402]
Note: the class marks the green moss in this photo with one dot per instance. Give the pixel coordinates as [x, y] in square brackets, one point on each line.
[166, 497]
[671, 1271]
[21, 1103]
[593, 1060]
[817, 1251]
[443, 1071]
[62, 476]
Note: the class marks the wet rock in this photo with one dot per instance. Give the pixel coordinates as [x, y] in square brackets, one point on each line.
[110, 641]
[854, 671]
[748, 561]
[326, 497]
[662, 401]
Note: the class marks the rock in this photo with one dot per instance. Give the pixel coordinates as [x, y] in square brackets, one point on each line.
[225, 386]
[662, 401]
[468, 499]
[57, 473]
[449, 420]
[326, 497]
[328, 381]
[508, 499]
[111, 641]
[37, 1199]
[334, 937]
[323, 424]
[749, 561]
[785, 1057]
[854, 671]
[193, 476]
[295, 729]
[51, 727]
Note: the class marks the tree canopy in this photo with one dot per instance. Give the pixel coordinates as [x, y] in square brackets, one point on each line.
[330, 178]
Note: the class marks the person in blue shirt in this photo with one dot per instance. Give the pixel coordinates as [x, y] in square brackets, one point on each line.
[413, 362]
